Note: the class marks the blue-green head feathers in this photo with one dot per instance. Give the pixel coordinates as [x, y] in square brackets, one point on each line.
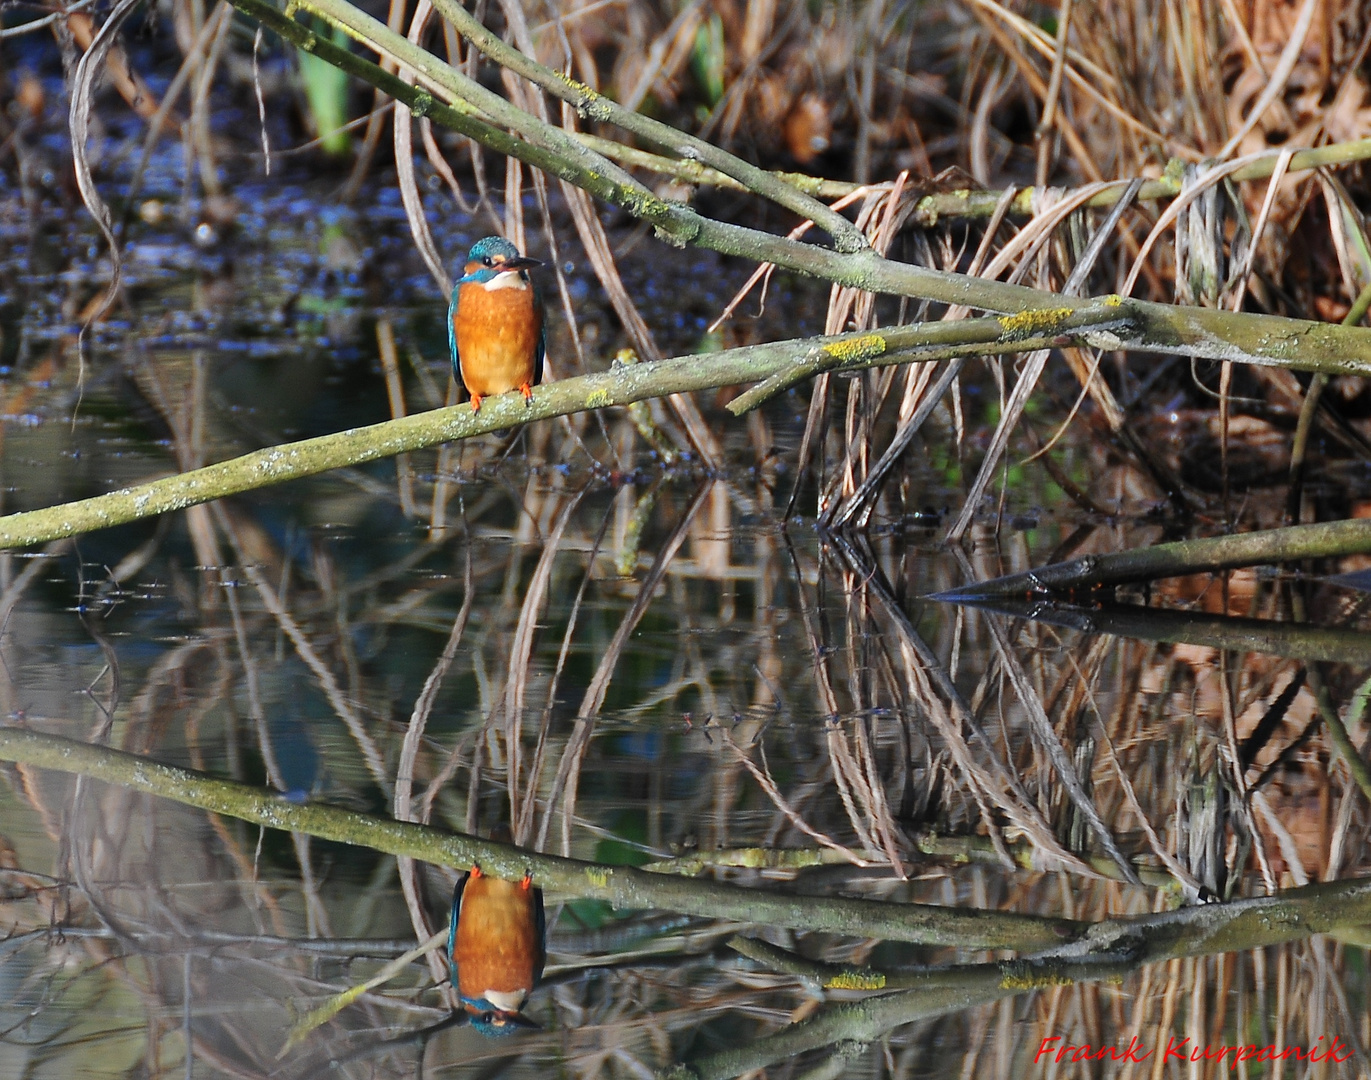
[492, 255]
[492, 247]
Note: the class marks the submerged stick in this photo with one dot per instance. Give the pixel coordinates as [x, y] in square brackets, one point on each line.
[1232, 633]
[1320, 541]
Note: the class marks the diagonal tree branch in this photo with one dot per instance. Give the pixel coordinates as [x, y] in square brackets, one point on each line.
[1211, 334]
[622, 385]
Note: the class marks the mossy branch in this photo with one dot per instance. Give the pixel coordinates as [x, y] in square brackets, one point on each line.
[1324, 908]
[622, 385]
[963, 203]
[1090, 572]
[622, 886]
[1111, 950]
[1014, 975]
[1216, 335]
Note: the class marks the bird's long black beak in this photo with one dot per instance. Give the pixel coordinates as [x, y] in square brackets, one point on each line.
[523, 1021]
[520, 262]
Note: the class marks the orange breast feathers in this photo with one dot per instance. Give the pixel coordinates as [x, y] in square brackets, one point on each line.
[497, 946]
[497, 333]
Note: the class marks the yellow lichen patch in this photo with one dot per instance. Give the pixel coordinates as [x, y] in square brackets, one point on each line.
[856, 980]
[580, 87]
[1033, 322]
[598, 399]
[856, 348]
[1112, 300]
[597, 877]
[1040, 981]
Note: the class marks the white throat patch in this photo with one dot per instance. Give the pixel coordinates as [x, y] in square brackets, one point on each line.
[506, 279]
[505, 1001]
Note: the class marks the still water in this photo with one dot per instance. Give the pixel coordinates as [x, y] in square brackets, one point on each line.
[649, 664]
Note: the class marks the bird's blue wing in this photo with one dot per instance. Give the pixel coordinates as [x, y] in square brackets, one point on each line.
[452, 347]
[452, 924]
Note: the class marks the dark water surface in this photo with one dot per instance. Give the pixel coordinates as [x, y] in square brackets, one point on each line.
[767, 697]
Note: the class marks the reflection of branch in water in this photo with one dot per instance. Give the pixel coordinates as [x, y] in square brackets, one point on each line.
[1112, 950]
[404, 769]
[762, 774]
[992, 784]
[523, 823]
[328, 682]
[620, 885]
[1323, 908]
[863, 780]
[1227, 632]
[1062, 764]
[520, 655]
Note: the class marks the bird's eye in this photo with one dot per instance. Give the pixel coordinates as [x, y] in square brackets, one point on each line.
[488, 261]
[488, 1018]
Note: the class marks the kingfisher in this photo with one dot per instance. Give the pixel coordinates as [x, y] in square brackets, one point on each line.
[497, 944]
[495, 323]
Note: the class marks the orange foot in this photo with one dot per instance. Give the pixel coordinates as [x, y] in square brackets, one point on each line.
[527, 390]
[527, 883]
[476, 402]
[476, 870]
